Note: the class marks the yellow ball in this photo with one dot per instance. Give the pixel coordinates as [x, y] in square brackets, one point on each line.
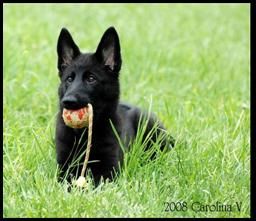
[76, 118]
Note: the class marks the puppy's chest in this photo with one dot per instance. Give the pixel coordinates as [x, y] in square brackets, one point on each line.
[103, 146]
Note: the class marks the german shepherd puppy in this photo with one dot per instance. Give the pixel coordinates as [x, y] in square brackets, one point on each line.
[93, 78]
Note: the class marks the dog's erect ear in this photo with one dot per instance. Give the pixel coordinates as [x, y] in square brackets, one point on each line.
[108, 51]
[67, 49]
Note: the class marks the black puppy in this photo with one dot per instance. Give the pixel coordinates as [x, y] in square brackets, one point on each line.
[93, 78]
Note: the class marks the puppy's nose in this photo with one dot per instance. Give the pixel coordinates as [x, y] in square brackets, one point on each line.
[70, 102]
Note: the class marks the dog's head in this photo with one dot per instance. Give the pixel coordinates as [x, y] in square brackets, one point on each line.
[89, 77]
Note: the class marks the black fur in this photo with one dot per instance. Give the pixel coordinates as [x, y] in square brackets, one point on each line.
[93, 78]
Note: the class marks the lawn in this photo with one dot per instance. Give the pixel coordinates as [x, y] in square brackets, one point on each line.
[191, 61]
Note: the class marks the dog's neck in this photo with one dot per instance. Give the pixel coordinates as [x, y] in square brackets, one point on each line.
[109, 114]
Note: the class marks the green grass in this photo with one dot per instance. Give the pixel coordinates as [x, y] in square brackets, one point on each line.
[192, 60]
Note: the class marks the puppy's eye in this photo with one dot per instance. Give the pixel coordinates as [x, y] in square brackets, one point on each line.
[91, 79]
[70, 79]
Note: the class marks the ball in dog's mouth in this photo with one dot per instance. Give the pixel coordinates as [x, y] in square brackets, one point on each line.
[76, 118]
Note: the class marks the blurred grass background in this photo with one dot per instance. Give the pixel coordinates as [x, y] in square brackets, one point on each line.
[191, 59]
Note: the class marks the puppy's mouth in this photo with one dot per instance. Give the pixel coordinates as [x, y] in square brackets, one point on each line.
[74, 108]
